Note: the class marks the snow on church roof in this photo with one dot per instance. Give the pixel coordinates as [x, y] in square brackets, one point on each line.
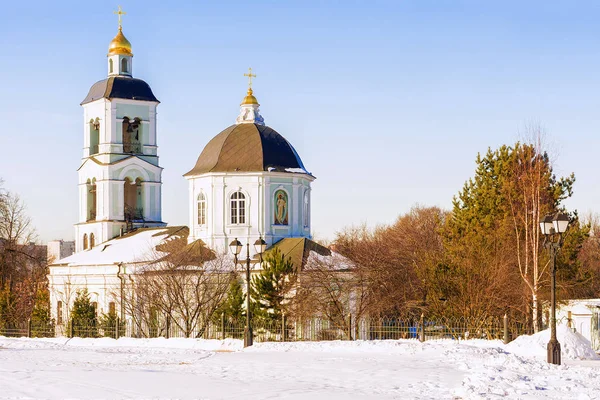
[137, 246]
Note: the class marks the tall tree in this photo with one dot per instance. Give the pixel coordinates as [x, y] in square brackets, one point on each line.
[498, 211]
[41, 319]
[272, 286]
[395, 265]
[232, 308]
[184, 284]
[22, 263]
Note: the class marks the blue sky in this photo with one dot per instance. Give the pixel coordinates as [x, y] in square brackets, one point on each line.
[387, 102]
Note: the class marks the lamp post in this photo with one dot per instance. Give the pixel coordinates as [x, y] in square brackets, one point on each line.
[236, 248]
[553, 228]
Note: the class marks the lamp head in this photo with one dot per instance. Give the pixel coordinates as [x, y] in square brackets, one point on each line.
[236, 247]
[560, 222]
[546, 225]
[260, 245]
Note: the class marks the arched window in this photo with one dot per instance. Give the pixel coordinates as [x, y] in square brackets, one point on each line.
[91, 200]
[238, 208]
[85, 241]
[133, 199]
[124, 65]
[92, 241]
[305, 214]
[94, 135]
[110, 66]
[59, 312]
[132, 135]
[201, 209]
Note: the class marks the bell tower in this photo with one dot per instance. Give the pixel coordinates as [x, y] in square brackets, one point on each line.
[119, 177]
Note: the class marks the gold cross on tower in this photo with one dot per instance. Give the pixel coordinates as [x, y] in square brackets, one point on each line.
[119, 13]
[250, 75]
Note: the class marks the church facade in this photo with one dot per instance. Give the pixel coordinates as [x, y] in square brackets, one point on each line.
[248, 183]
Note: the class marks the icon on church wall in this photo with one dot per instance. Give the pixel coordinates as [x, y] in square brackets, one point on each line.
[281, 207]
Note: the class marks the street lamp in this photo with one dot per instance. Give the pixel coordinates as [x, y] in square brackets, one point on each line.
[236, 248]
[553, 228]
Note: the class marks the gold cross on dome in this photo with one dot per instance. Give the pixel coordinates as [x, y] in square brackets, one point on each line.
[250, 75]
[119, 13]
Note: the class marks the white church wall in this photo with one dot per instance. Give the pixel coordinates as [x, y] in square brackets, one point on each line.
[132, 111]
[260, 190]
[101, 281]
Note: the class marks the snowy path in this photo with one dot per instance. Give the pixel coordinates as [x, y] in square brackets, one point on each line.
[181, 369]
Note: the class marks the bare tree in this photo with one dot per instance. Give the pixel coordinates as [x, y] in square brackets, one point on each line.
[183, 283]
[22, 262]
[332, 287]
[534, 193]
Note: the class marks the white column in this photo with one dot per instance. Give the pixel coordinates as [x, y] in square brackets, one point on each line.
[152, 125]
[295, 209]
[267, 208]
[121, 200]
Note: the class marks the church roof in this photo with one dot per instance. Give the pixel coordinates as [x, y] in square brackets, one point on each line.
[120, 87]
[141, 245]
[248, 148]
[299, 250]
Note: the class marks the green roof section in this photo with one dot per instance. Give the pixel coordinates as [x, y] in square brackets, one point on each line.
[298, 250]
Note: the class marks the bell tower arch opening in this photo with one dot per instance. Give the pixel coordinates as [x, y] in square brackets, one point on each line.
[94, 135]
[132, 143]
[91, 200]
[133, 200]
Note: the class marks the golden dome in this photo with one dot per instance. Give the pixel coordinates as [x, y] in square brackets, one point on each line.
[249, 99]
[120, 45]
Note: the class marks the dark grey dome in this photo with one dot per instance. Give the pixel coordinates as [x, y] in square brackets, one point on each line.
[120, 87]
[248, 148]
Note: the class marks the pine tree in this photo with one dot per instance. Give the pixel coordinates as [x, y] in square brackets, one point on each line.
[108, 323]
[493, 238]
[83, 316]
[270, 288]
[42, 324]
[232, 307]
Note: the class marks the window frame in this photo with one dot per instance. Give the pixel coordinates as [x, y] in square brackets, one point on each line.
[201, 209]
[238, 214]
[59, 312]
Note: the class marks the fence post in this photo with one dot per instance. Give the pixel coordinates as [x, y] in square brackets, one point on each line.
[168, 326]
[506, 329]
[29, 328]
[222, 326]
[72, 333]
[283, 323]
[422, 328]
[349, 326]
[117, 328]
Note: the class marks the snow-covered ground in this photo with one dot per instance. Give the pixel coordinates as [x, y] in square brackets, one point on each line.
[203, 369]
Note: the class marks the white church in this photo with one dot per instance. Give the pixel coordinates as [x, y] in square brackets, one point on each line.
[248, 183]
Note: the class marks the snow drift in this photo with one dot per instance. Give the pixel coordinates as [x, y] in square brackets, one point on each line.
[573, 345]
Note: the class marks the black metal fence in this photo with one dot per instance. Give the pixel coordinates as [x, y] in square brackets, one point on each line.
[309, 329]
